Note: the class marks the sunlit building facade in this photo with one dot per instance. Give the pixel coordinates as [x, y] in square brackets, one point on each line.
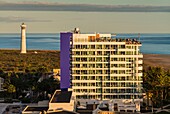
[101, 67]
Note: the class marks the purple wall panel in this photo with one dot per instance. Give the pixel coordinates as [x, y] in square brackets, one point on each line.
[65, 60]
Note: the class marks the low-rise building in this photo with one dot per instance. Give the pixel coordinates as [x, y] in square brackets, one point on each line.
[62, 102]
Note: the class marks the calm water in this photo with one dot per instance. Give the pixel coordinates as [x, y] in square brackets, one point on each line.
[151, 43]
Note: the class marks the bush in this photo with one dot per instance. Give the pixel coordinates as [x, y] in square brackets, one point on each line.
[8, 100]
[26, 100]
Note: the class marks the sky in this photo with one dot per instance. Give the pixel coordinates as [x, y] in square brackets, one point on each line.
[102, 2]
[115, 16]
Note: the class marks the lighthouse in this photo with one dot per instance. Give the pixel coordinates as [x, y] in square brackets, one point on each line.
[23, 38]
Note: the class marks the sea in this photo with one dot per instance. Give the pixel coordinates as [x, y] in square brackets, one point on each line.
[152, 43]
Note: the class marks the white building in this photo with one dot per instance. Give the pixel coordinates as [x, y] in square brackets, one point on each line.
[61, 102]
[105, 68]
[23, 47]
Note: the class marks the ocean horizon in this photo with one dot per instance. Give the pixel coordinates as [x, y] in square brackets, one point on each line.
[152, 43]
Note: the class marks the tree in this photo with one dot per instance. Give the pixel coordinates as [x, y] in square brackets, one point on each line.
[1, 72]
[48, 85]
[156, 81]
[11, 88]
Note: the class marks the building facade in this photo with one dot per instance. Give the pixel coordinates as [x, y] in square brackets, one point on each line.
[101, 67]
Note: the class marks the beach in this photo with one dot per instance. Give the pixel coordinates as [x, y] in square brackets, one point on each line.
[159, 60]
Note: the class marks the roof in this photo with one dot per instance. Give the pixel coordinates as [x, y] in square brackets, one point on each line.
[62, 112]
[62, 97]
[36, 108]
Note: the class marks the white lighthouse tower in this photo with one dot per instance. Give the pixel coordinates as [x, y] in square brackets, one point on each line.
[23, 38]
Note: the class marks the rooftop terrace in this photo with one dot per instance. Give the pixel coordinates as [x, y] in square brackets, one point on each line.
[108, 39]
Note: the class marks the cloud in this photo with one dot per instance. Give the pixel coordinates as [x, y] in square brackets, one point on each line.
[20, 19]
[48, 6]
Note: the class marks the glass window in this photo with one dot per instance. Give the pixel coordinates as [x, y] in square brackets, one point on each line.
[99, 65]
[92, 46]
[99, 59]
[98, 46]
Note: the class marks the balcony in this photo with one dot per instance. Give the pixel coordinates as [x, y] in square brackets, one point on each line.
[140, 61]
[140, 68]
[139, 74]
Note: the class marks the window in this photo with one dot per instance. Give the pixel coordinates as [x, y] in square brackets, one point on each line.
[114, 65]
[99, 65]
[91, 71]
[122, 46]
[113, 46]
[84, 53]
[98, 71]
[83, 59]
[77, 71]
[91, 52]
[121, 71]
[99, 59]
[129, 52]
[77, 77]
[123, 79]
[77, 52]
[98, 46]
[91, 65]
[122, 52]
[122, 65]
[106, 65]
[99, 52]
[77, 59]
[83, 71]
[92, 46]
[77, 46]
[123, 85]
[77, 65]
[92, 59]
[122, 59]
[84, 65]
[107, 47]
[84, 78]
[114, 72]
[129, 47]
[84, 47]
[107, 53]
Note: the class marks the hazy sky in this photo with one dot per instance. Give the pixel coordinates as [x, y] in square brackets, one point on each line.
[104, 2]
[52, 16]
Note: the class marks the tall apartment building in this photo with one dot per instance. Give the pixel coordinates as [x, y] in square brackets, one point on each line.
[99, 66]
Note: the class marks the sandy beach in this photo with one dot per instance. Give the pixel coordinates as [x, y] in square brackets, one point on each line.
[157, 60]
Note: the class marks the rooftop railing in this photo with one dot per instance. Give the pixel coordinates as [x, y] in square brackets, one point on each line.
[108, 39]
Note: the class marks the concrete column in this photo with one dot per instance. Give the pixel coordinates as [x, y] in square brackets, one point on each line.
[23, 38]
